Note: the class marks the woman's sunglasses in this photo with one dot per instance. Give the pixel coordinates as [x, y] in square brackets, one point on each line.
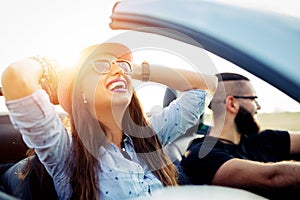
[104, 66]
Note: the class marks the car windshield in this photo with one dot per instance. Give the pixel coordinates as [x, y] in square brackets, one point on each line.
[278, 110]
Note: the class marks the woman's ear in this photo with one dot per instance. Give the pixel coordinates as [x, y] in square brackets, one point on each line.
[84, 99]
[232, 105]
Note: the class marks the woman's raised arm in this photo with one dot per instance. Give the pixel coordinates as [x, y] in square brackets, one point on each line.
[21, 79]
[24, 77]
[179, 79]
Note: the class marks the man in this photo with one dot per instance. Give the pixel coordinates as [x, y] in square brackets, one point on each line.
[236, 154]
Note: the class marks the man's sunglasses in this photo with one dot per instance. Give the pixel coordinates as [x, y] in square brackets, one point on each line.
[246, 97]
[104, 66]
[239, 97]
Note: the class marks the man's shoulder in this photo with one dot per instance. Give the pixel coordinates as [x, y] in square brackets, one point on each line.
[206, 144]
[203, 158]
[273, 133]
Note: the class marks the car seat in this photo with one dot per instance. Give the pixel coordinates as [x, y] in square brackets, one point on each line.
[178, 147]
[37, 184]
[12, 147]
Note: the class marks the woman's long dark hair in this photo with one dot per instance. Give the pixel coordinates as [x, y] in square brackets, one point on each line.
[84, 176]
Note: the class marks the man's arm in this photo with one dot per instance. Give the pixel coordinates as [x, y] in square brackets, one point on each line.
[247, 174]
[295, 143]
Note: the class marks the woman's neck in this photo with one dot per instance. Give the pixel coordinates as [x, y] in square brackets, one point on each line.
[112, 125]
[113, 133]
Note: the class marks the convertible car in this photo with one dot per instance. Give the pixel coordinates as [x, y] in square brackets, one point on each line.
[266, 44]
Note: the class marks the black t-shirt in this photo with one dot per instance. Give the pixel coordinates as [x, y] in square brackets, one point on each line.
[206, 155]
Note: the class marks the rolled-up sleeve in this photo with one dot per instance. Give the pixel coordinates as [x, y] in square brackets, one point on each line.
[179, 116]
[41, 128]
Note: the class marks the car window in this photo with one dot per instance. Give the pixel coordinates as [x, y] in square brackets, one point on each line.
[278, 110]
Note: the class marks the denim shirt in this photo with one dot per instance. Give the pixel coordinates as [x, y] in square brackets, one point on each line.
[119, 177]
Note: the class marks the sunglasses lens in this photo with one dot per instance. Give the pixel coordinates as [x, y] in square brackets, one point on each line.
[125, 66]
[102, 66]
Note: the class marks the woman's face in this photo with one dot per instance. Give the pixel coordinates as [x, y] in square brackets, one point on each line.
[110, 89]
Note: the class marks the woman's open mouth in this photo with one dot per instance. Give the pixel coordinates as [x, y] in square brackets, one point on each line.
[117, 85]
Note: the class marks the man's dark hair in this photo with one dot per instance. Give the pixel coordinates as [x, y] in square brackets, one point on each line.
[227, 76]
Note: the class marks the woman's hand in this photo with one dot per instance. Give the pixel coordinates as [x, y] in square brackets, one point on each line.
[50, 77]
[24, 77]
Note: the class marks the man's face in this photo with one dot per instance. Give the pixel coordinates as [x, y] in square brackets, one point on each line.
[246, 123]
[244, 120]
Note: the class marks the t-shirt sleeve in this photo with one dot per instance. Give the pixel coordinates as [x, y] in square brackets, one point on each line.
[277, 142]
[203, 160]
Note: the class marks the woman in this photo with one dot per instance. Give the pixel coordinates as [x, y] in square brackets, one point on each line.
[112, 152]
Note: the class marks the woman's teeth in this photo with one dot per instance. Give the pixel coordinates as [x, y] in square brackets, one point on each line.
[117, 85]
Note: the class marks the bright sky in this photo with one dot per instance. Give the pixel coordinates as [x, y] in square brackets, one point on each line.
[60, 29]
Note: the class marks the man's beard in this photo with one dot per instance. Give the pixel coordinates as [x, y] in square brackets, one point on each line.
[246, 124]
